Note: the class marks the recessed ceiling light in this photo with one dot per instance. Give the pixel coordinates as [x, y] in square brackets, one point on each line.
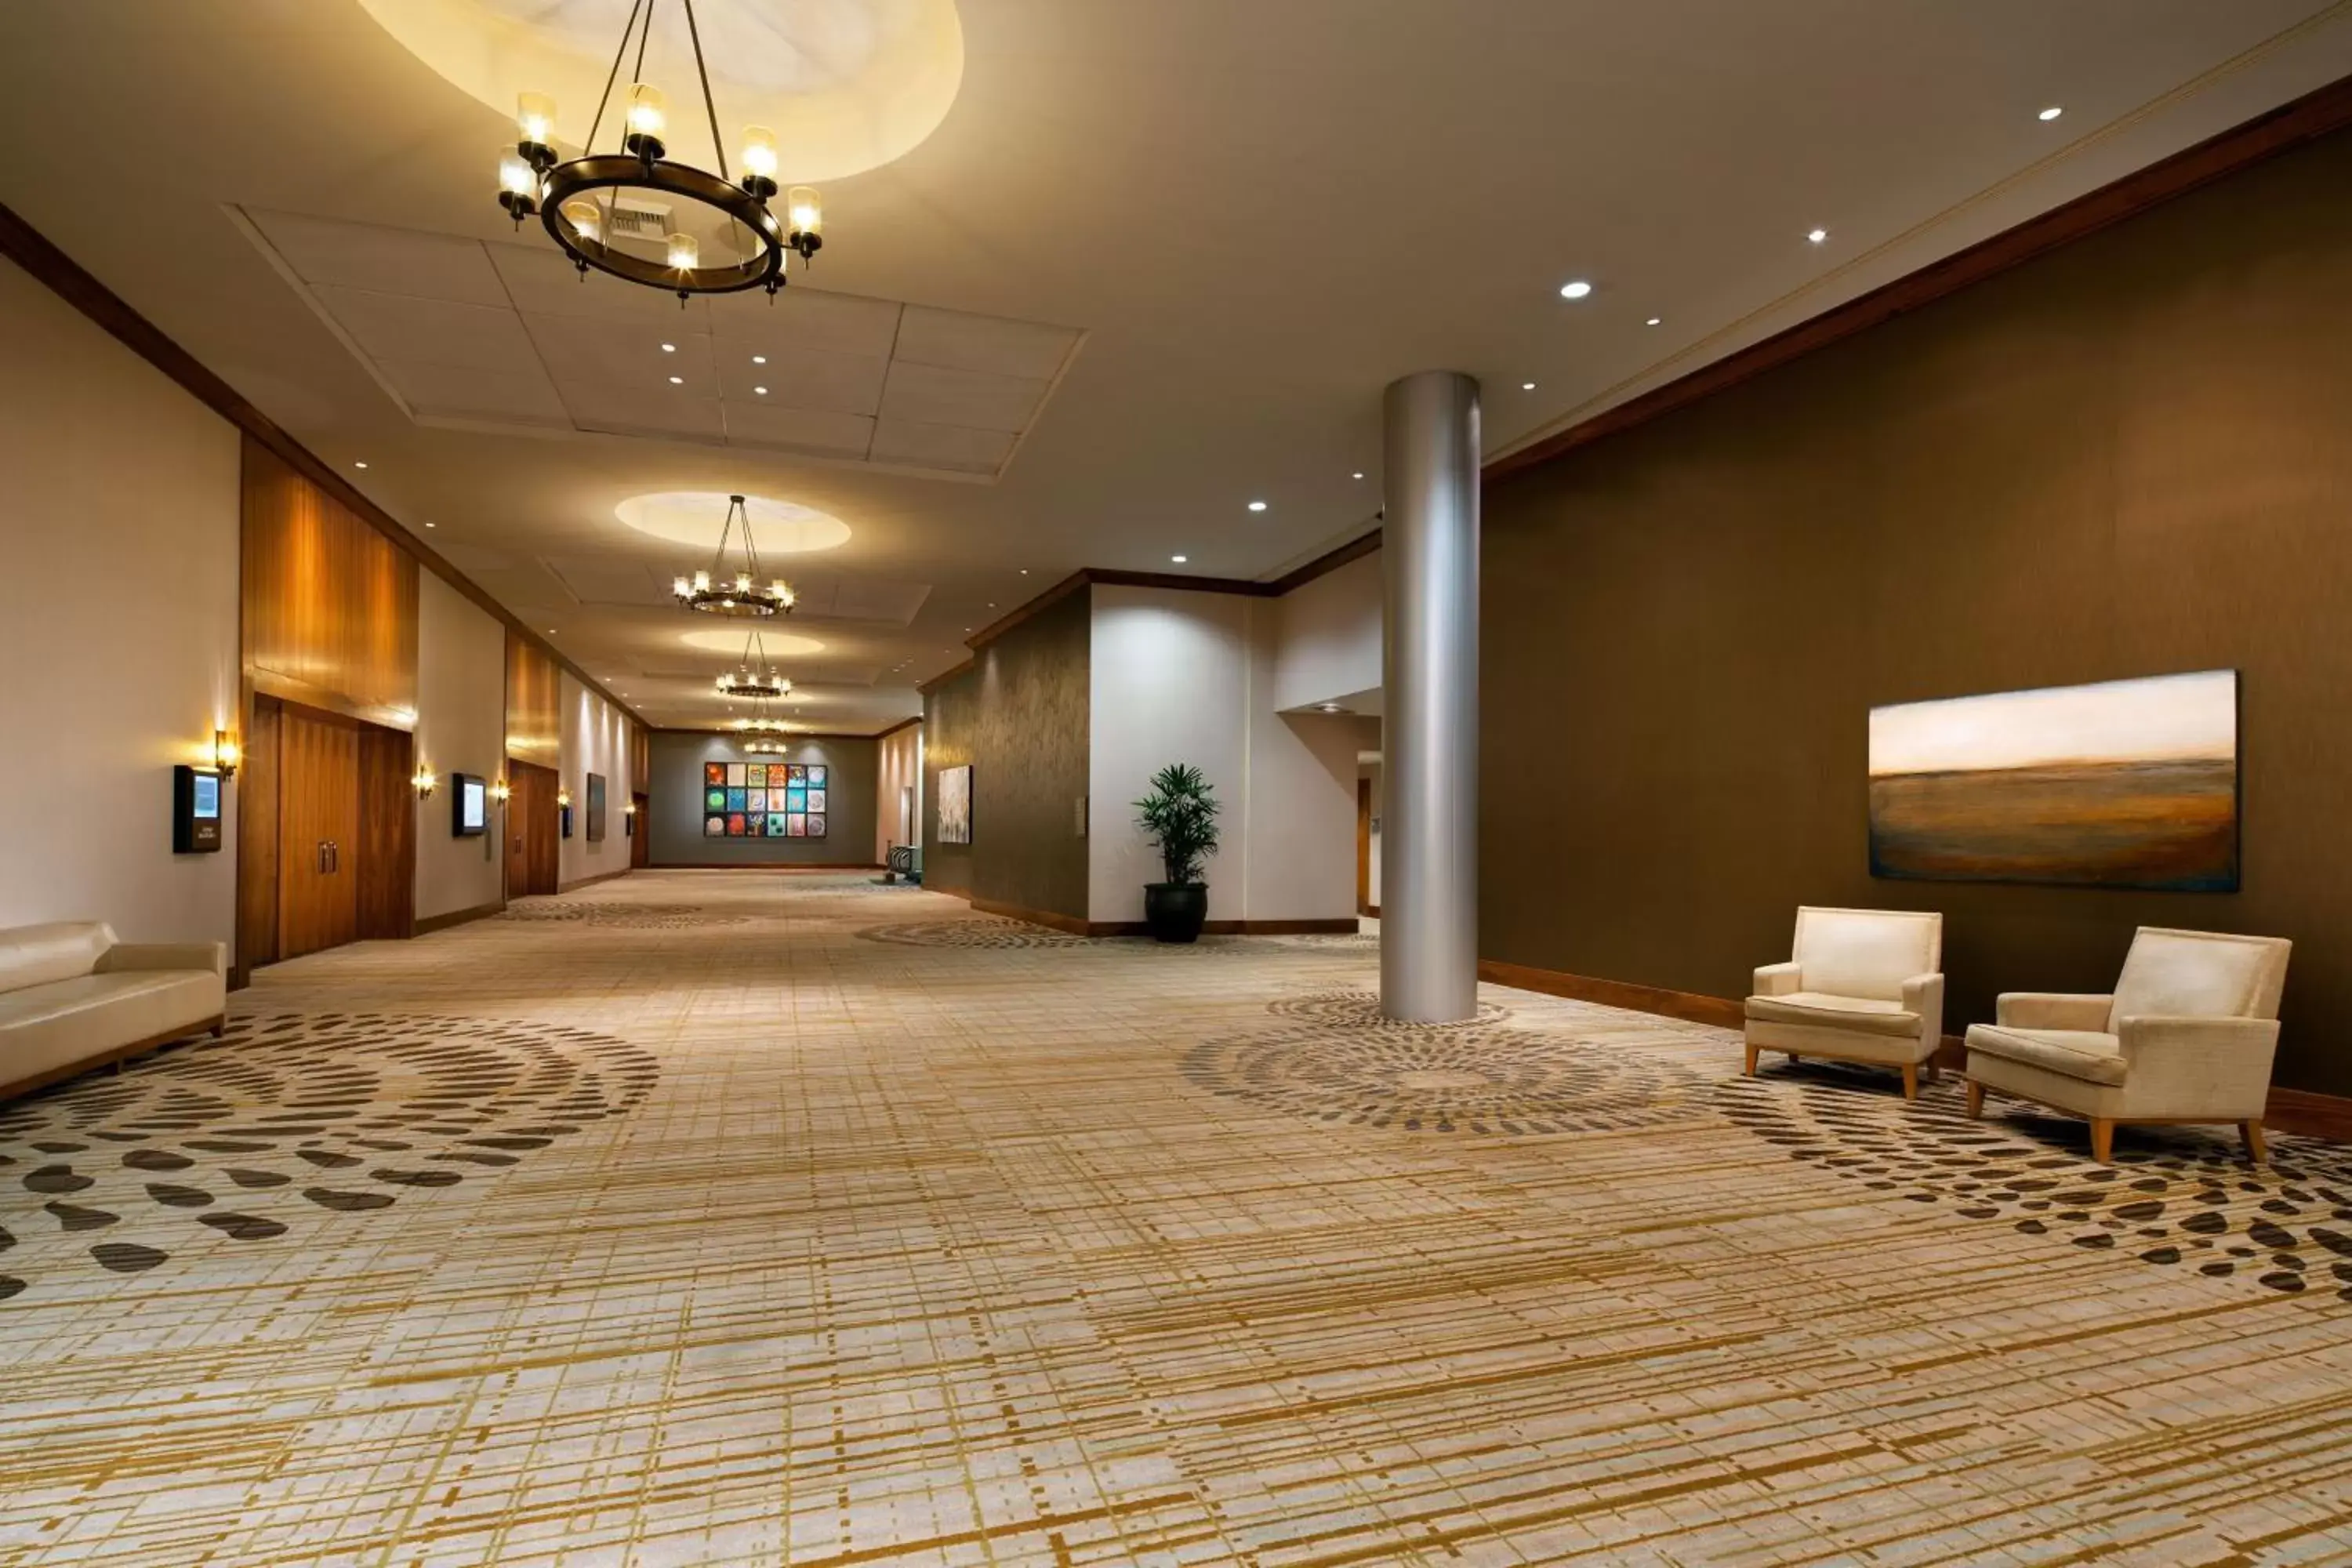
[2053, 112]
[432, 525]
[1355, 476]
[1576, 290]
[1819, 234]
[551, 631]
[759, 359]
[1526, 387]
[358, 465]
[1025, 571]
[1180, 560]
[1257, 506]
[1654, 320]
[669, 348]
[677, 381]
[760, 390]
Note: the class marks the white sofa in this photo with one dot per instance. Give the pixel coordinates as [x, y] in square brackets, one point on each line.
[1864, 986]
[71, 997]
[2188, 1036]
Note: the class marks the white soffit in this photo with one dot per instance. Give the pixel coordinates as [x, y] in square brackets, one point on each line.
[474, 336]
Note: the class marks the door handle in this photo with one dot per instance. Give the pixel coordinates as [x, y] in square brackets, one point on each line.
[322, 857]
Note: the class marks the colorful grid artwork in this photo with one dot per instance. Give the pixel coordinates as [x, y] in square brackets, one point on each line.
[764, 800]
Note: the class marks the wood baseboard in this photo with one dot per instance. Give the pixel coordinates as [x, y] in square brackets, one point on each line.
[1069, 925]
[592, 881]
[22, 1086]
[1335, 926]
[1721, 1011]
[427, 925]
[785, 867]
[2312, 1115]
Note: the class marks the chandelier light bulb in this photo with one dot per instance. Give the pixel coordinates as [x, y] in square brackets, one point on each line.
[587, 220]
[516, 177]
[685, 252]
[535, 118]
[807, 212]
[759, 160]
[702, 582]
[742, 581]
[648, 111]
[680, 586]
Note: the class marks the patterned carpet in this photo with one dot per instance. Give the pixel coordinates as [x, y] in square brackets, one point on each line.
[714, 1217]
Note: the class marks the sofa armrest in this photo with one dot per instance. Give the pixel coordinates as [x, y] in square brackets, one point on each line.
[2053, 1010]
[1779, 979]
[2198, 1066]
[1924, 995]
[209, 956]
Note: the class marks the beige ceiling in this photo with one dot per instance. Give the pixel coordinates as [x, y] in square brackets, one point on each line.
[1258, 212]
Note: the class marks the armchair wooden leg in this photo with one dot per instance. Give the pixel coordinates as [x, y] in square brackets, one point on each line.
[1751, 1061]
[1930, 1064]
[1910, 1080]
[2256, 1149]
[2103, 1140]
[1976, 1097]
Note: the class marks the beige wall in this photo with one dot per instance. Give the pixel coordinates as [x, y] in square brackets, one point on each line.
[460, 728]
[1178, 676]
[119, 506]
[898, 768]
[2126, 457]
[595, 741]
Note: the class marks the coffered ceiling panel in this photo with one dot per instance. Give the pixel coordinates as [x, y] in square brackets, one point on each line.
[604, 581]
[805, 371]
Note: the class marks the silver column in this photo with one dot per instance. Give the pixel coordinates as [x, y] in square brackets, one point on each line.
[1429, 739]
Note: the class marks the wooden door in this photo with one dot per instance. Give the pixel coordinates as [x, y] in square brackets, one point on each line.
[533, 829]
[1363, 846]
[641, 848]
[317, 843]
[257, 840]
[384, 859]
[516, 811]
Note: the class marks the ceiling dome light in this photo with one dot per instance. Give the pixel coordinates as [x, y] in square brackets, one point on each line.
[605, 209]
[1576, 290]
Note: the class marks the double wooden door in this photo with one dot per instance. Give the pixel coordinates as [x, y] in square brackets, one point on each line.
[319, 846]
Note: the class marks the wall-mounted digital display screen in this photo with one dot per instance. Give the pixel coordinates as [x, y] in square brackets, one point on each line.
[469, 804]
[206, 796]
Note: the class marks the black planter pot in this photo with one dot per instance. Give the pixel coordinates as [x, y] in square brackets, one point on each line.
[1174, 911]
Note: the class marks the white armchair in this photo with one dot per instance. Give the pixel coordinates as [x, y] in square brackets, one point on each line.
[2188, 1036]
[1864, 986]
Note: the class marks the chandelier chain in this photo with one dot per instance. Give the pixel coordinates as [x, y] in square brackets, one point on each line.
[718, 145]
[615, 74]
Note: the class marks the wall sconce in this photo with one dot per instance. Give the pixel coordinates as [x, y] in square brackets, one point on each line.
[629, 809]
[423, 780]
[563, 798]
[226, 756]
[499, 792]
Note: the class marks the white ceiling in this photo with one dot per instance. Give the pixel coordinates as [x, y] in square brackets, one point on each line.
[1258, 212]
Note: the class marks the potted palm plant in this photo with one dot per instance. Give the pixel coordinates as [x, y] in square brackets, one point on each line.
[1181, 819]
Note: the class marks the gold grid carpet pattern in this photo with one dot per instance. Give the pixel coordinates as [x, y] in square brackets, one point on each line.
[716, 1218]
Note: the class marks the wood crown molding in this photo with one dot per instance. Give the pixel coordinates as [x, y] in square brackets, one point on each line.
[29, 248]
[901, 725]
[2265, 136]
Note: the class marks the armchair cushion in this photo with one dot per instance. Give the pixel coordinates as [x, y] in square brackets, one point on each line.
[2088, 1055]
[2201, 974]
[1866, 1014]
[1866, 952]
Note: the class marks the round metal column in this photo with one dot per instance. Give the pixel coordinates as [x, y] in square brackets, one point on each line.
[1429, 730]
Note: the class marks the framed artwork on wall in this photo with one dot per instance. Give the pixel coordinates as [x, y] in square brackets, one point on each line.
[764, 800]
[2125, 783]
[955, 804]
[596, 807]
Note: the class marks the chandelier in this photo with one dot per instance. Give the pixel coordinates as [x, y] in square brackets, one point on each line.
[755, 677]
[763, 745]
[623, 212]
[743, 595]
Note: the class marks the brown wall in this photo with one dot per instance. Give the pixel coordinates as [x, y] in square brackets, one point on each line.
[676, 830]
[534, 705]
[2131, 456]
[330, 603]
[1019, 716]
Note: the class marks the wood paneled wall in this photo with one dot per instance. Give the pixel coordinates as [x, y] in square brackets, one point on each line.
[330, 603]
[641, 759]
[534, 717]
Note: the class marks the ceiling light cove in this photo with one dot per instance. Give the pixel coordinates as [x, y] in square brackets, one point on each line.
[697, 517]
[778, 645]
[845, 84]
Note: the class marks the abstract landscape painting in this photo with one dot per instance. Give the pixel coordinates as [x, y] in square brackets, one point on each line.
[955, 804]
[2126, 784]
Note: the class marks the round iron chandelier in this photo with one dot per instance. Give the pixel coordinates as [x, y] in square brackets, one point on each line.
[716, 594]
[763, 743]
[622, 212]
[755, 678]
